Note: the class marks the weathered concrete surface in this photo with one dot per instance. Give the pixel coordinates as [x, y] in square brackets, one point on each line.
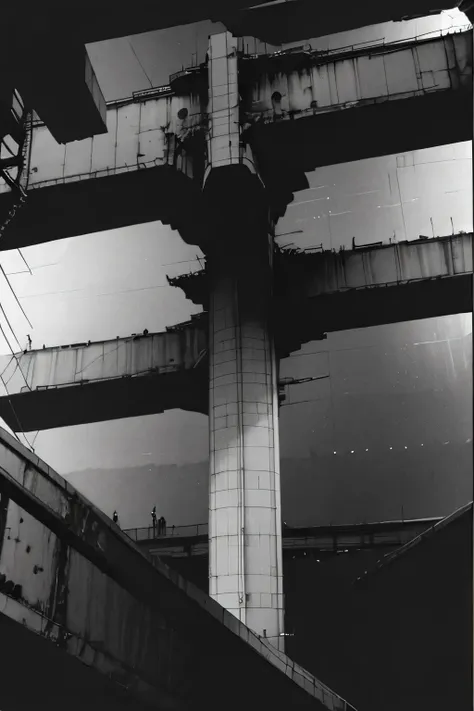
[79, 599]
[314, 293]
[298, 110]
[372, 286]
[140, 163]
[44, 50]
[397, 93]
[318, 292]
[107, 380]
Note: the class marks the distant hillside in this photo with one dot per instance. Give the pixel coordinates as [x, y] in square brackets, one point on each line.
[431, 481]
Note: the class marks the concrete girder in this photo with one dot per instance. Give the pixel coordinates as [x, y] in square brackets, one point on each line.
[43, 53]
[125, 377]
[76, 189]
[314, 294]
[79, 598]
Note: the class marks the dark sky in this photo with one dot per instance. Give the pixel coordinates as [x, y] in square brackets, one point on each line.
[399, 386]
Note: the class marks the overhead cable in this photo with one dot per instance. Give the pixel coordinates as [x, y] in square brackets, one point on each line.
[16, 297]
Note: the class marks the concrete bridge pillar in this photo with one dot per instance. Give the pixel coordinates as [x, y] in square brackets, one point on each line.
[245, 547]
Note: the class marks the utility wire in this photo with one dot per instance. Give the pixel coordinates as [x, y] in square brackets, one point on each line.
[39, 266]
[16, 297]
[7, 365]
[26, 263]
[16, 359]
[10, 327]
[93, 296]
[141, 65]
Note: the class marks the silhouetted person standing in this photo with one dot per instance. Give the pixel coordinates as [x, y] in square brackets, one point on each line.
[162, 528]
[115, 517]
[153, 518]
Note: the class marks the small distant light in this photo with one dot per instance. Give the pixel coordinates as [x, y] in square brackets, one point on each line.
[390, 447]
[318, 561]
[346, 551]
[334, 452]
[366, 450]
[406, 447]
[421, 444]
[352, 451]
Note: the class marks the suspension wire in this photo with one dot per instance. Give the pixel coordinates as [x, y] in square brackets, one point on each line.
[94, 296]
[37, 266]
[15, 357]
[141, 65]
[10, 327]
[7, 365]
[16, 297]
[26, 263]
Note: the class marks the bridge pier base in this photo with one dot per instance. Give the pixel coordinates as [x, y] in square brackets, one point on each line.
[245, 544]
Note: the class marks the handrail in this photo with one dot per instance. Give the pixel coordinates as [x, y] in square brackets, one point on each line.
[149, 533]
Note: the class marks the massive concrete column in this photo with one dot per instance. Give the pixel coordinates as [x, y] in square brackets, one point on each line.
[245, 552]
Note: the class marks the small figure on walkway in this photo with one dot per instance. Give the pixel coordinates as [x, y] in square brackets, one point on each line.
[162, 526]
[145, 332]
[115, 517]
[153, 518]
[29, 342]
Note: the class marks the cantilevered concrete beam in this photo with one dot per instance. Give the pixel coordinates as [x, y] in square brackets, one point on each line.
[43, 50]
[299, 111]
[314, 294]
[109, 380]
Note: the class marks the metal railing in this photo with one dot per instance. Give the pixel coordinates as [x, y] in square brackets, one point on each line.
[386, 533]
[150, 533]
